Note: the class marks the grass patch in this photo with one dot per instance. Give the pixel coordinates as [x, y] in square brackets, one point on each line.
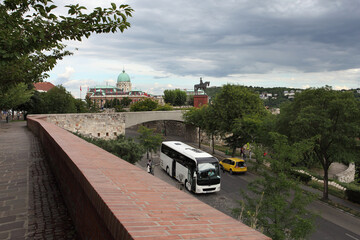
[332, 190]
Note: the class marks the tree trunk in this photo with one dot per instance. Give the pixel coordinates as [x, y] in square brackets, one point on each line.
[326, 181]
[164, 128]
[147, 154]
[213, 143]
[233, 152]
[199, 138]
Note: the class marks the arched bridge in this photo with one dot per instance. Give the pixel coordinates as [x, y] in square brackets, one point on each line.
[135, 118]
[108, 125]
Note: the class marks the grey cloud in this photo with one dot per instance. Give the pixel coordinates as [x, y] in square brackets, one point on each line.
[232, 37]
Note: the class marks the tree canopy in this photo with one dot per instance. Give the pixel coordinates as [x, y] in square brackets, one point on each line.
[276, 204]
[150, 140]
[31, 35]
[144, 105]
[15, 96]
[329, 120]
[237, 108]
[175, 97]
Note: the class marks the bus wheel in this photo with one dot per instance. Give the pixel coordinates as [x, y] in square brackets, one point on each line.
[188, 185]
[168, 170]
[231, 172]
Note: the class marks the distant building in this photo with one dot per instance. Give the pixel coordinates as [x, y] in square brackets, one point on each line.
[100, 94]
[266, 95]
[43, 86]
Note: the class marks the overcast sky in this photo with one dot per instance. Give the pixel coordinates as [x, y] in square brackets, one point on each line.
[268, 43]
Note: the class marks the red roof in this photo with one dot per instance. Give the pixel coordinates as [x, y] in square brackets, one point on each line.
[43, 86]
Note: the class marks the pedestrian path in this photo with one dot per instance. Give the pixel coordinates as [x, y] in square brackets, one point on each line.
[31, 206]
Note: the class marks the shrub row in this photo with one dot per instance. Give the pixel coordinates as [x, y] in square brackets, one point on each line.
[353, 194]
[301, 176]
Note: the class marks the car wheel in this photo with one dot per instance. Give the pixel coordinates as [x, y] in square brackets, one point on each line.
[188, 185]
[231, 172]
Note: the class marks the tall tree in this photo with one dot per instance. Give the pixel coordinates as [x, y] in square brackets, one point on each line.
[275, 204]
[175, 97]
[196, 117]
[211, 124]
[329, 120]
[169, 96]
[149, 140]
[15, 96]
[58, 100]
[32, 36]
[232, 104]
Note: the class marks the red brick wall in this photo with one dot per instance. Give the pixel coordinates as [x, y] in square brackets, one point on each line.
[110, 198]
[200, 100]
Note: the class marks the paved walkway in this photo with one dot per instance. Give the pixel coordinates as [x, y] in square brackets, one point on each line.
[31, 206]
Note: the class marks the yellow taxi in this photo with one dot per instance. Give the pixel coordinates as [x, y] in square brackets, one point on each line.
[233, 165]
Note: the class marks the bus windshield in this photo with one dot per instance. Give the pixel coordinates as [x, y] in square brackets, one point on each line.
[208, 168]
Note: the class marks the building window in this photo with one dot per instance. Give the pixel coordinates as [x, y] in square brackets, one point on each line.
[98, 134]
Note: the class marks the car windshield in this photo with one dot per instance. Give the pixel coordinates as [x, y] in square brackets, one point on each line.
[208, 170]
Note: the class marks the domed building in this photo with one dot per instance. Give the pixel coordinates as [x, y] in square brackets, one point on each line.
[123, 82]
[100, 93]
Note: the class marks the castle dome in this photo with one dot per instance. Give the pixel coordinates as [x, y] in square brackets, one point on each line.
[123, 77]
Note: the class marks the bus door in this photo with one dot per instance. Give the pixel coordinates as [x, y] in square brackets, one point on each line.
[191, 179]
[173, 170]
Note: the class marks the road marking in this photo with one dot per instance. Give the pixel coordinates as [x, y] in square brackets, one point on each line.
[351, 236]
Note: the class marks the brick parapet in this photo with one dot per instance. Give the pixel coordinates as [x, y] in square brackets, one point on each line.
[109, 198]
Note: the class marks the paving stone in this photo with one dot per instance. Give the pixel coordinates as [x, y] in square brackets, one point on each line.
[31, 205]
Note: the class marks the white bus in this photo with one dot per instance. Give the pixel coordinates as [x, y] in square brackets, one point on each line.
[196, 169]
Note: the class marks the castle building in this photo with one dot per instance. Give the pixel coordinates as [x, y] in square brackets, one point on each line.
[100, 93]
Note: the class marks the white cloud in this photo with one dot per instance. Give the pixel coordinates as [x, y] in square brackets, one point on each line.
[68, 72]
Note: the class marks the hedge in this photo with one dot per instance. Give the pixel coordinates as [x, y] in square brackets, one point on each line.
[301, 176]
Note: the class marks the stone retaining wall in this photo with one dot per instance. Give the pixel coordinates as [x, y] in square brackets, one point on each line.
[109, 198]
[99, 125]
[348, 175]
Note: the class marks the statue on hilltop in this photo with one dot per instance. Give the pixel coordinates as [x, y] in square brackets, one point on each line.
[202, 85]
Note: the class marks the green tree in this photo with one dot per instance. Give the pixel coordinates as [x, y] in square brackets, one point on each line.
[58, 100]
[276, 205]
[169, 96]
[237, 107]
[244, 131]
[329, 120]
[175, 97]
[211, 125]
[196, 117]
[149, 140]
[91, 105]
[15, 96]
[36, 104]
[144, 105]
[180, 97]
[80, 106]
[32, 36]
[125, 102]
[125, 148]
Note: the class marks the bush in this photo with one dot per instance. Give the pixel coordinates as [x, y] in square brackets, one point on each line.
[166, 107]
[144, 105]
[300, 176]
[125, 148]
[353, 194]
